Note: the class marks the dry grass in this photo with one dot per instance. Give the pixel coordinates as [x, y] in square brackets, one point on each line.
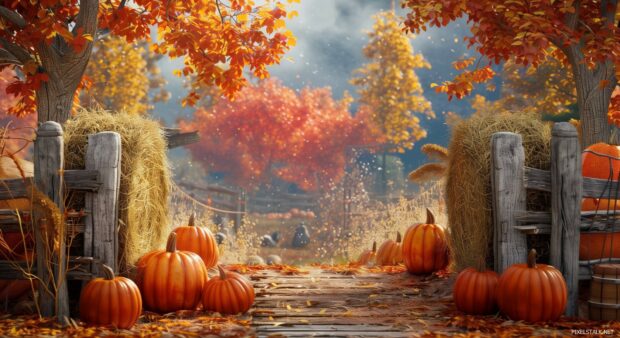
[145, 176]
[468, 191]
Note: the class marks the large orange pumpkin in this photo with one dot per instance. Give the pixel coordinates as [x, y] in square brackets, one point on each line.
[368, 256]
[425, 248]
[390, 252]
[532, 292]
[229, 293]
[596, 245]
[199, 240]
[600, 160]
[475, 291]
[171, 280]
[110, 300]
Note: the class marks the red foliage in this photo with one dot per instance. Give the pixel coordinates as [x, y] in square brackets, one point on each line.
[271, 130]
[15, 133]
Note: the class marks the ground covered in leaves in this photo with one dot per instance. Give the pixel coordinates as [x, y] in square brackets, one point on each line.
[341, 300]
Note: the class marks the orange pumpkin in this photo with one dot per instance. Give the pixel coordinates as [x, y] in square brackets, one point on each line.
[475, 291]
[14, 245]
[171, 280]
[199, 240]
[597, 245]
[110, 300]
[600, 160]
[368, 256]
[13, 289]
[425, 248]
[229, 293]
[390, 252]
[532, 292]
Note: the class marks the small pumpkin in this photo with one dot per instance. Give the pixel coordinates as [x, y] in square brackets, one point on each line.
[390, 252]
[597, 245]
[229, 293]
[14, 289]
[475, 291]
[368, 256]
[532, 292]
[171, 280]
[110, 300]
[199, 240]
[425, 248]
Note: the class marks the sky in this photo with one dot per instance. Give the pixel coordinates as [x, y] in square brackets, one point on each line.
[330, 37]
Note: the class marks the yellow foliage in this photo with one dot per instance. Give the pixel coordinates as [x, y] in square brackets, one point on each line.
[389, 86]
[121, 76]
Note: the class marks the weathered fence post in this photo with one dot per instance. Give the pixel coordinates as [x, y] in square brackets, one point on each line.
[101, 230]
[51, 266]
[509, 197]
[566, 191]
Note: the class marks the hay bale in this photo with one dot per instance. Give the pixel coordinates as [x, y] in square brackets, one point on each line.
[145, 176]
[468, 187]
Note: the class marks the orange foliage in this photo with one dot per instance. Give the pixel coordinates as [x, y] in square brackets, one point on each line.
[271, 130]
[217, 38]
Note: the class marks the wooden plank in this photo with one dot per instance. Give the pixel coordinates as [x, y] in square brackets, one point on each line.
[175, 138]
[525, 216]
[101, 231]
[537, 179]
[598, 188]
[566, 194]
[15, 188]
[508, 195]
[48, 164]
[82, 180]
[534, 229]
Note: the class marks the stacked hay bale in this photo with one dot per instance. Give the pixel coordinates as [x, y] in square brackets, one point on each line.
[468, 187]
[145, 176]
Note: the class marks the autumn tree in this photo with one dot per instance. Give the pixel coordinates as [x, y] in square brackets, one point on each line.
[52, 41]
[389, 87]
[121, 75]
[584, 36]
[16, 134]
[272, 131]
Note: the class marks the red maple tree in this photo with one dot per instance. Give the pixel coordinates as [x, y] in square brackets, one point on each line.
[16, 134]
[583, 34]
[51, 40]
[271, 130]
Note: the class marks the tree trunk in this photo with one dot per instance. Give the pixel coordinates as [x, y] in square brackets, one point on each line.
[55, 100]
[592, 99]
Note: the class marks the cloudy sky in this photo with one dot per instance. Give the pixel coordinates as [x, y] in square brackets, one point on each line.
[330, 37]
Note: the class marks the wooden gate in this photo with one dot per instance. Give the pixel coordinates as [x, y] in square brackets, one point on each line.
[100, 183]
[510, 179]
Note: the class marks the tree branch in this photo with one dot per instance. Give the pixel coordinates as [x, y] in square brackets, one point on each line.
[21, 54]
[608, 10]
[12, 17]
[7, 58]
[87, 17]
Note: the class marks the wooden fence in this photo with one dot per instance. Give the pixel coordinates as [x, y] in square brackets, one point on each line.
[100, 183]
[510, 179]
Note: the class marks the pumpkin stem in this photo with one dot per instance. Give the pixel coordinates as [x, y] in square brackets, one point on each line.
[171, 245]
[430, 218]
[374, 246]
[531, 259]
[222, 272]
[108, 273]
[399, 238]
[192, 220]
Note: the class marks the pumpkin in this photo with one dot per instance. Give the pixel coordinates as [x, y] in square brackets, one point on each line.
[110, 300]
[532, 292]
[597, 245]
[199, 240]
[390, 252]
[171, 280]
[15, 246]
[13, 289]
[229, 293]
[368, 256]
[600, 160]
[425, 248]
[475, 291]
